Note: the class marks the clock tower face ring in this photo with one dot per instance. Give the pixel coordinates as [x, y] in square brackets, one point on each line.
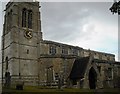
[28, 34]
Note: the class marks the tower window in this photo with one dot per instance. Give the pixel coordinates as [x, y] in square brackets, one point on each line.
[6, 60]
[30, 19]
[27, 18]
[27, 51]
[24, 12]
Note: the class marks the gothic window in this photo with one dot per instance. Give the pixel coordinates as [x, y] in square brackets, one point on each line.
[52, 50]
[49, 75]
[30, 19]
[109, 72]
[27, 18]
[24, 13]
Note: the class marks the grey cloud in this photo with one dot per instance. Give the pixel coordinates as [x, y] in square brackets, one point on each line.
[63, 21]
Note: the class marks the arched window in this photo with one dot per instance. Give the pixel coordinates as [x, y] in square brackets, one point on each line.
[24, 12]
[6, 60]
[30, 19]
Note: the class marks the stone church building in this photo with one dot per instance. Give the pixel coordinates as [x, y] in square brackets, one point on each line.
[27, 57]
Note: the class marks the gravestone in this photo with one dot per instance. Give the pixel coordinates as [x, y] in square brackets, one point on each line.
[7, 79]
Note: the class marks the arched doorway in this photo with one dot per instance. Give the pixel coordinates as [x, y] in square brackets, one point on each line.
[92, 78]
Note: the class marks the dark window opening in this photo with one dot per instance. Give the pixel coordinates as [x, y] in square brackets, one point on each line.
[6, 60]
[24, 12]
[27, 51]
[52, 50]
[30, 19]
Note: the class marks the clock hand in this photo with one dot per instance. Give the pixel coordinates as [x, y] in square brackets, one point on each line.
[29, 34]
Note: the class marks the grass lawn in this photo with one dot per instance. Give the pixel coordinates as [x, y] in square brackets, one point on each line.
[32, 89]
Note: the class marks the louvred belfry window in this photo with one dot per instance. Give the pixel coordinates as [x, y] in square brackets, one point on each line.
[24, 12]
[30, 19]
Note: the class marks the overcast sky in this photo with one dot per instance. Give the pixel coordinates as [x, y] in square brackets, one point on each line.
[89, 25]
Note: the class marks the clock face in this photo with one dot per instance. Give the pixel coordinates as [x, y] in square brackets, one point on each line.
[28, 34]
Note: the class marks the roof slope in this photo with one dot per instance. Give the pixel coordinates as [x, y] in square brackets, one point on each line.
[79, 67]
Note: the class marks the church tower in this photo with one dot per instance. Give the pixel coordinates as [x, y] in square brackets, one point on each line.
[20, 41]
